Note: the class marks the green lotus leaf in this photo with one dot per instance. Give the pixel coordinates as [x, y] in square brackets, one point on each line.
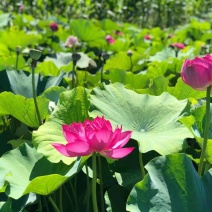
[172, 184]
[24, 170]
[22, 108]
[152, 119]
[72, 107]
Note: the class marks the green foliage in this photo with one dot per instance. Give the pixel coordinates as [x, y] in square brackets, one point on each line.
[153, 120]
[171, 184]
[72, 107]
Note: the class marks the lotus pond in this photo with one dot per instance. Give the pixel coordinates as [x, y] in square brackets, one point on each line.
[94, 114]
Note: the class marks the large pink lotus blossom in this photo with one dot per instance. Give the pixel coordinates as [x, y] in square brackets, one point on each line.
[109, 39]
[53, 26]
[178, 45]
[94, 136]
[197, 73]
[71, 41]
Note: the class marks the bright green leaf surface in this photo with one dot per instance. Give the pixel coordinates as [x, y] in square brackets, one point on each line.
[153, 119]
[122, 61]
[183, 91]
[128, 78]
[22, 108]
[172, 184]
[86, 30]
[72, 107]
[27, 171]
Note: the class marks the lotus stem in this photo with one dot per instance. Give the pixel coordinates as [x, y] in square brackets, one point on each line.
[101, 183]
[61, 199]
[206, 130]
[53, 204]
[131, 63]
[95, 208]
[34, 92]
[88, 188]
[141, 166]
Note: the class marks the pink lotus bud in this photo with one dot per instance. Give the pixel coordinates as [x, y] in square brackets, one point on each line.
[71, 41]
[197, 73]
[53, 26]
[109, 39]
[178, 45]
[117, 32]
[94, 136]
[147, 37]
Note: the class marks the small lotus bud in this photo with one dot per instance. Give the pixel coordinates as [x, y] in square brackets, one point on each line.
[53, 26]
[71, 41]
[129, 53]
[76, 57]
[18, 50]
[105, 56]
[35, 54]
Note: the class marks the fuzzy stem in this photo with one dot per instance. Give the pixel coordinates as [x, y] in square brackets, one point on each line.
[16, 62]
[61, 199]
[95, 208]
[69, 197]
[53, 204]
[73, 76]
[33, 65]
[101, 183]
[141, 166]
[40, 205]
[88, 187]
[131, 64]
[206, 130]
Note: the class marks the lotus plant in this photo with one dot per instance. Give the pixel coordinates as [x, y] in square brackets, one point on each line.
[178, 45]
[197, 73]
[92, 138]
[71, 41]
[110, 39]
[53, 26]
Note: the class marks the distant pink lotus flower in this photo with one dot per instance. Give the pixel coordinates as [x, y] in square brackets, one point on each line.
[117, 32]
[197, 72]
[94, 136]
[109, 39]
[147, 37]
[21, 7]
[71, 41]
[53, 26]
[178, 45]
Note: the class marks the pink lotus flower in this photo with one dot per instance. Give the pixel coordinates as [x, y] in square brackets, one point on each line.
[21, 7]
[197, 73]
[109, 39]
[178, 45]
[53, 26]
[94, 136]
[71, 41]
[147, 37]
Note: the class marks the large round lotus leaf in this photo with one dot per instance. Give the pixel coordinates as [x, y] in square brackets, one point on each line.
[172, 184]
[153, 119]
[72, 107]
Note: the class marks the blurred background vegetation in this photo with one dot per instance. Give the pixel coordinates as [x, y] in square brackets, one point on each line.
[144, 13]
